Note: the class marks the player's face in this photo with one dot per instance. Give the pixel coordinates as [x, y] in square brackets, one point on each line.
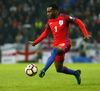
[51, 13]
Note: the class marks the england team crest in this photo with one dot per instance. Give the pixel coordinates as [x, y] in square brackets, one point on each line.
[60, 22]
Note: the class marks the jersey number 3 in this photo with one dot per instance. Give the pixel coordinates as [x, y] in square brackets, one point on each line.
[55, 29]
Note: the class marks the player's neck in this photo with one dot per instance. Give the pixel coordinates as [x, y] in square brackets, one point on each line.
[56, 16]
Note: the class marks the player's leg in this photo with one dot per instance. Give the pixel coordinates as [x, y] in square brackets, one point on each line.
[63, 69]
[69, 71]
[54, 52]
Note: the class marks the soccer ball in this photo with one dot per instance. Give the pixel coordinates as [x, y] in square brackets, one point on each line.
[31, 70]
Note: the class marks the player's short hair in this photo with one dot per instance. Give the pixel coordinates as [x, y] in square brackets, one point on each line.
[54, 6]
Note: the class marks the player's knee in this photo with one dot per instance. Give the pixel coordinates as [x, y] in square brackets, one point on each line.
[58, 70]
[54, 51]
[59, 49]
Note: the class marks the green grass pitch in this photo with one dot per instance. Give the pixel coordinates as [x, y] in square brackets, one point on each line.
[13, 78]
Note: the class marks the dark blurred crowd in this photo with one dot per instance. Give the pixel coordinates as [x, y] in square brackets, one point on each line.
[24, 20]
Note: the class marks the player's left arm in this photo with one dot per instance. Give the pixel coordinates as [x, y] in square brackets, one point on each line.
[79, 23]
[82, 27]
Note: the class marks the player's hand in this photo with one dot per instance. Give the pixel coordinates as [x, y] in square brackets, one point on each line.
[87, 36]
[32, 43]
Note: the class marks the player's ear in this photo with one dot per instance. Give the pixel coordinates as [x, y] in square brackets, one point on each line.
[56, 11]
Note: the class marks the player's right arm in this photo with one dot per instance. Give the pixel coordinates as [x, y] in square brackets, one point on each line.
[41, 37]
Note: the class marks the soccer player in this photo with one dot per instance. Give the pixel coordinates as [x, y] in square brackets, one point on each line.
[58, 23]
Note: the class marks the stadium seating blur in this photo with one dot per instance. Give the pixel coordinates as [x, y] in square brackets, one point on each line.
[23, 20]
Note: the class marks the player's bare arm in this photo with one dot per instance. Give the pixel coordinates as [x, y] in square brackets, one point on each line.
[87, 36]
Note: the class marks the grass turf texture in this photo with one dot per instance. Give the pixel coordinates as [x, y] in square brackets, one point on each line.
[13, 78]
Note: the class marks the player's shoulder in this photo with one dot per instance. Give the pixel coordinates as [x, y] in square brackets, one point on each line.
[63, 15]
[67, 17]
[49, 20]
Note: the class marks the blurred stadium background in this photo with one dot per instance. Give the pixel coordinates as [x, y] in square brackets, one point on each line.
[24, 20]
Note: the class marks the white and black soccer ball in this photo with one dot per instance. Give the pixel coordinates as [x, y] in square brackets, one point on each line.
[31, 70]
